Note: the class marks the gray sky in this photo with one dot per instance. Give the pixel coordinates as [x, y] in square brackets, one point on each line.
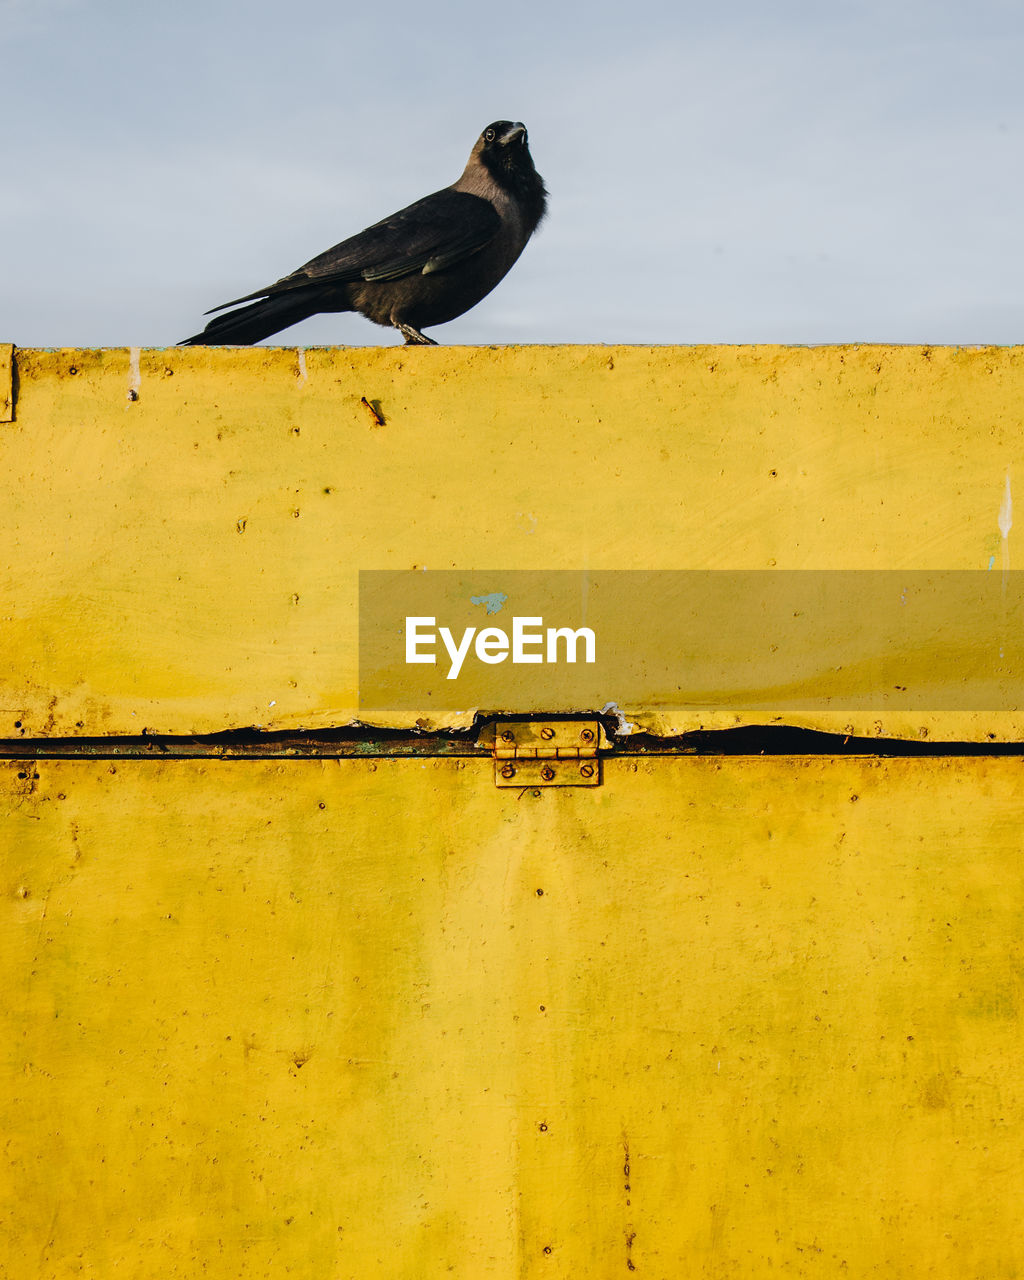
[739, 172]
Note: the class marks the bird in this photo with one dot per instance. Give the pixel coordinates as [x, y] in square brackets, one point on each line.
[420, 267]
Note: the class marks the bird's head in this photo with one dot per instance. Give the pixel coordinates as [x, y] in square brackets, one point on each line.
[503, 148]
[501, 158]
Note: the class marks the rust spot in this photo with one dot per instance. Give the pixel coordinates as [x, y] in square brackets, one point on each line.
[373, 408]
[936, 1094]
[627, 1188]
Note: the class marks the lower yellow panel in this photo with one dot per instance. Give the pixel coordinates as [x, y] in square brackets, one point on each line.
[728, 1018]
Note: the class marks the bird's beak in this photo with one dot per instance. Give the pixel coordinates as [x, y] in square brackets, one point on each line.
[518, 130]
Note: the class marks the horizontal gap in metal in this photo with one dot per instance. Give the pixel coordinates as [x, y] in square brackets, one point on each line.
[366, 743]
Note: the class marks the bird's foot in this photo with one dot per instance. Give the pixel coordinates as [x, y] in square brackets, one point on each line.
[413, 337]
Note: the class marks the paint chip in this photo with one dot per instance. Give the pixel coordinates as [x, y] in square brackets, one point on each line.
[134, 374]
[491, 602]
[1006, 511]
[623, 726]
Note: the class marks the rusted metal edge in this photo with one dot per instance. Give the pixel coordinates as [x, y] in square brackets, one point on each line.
[364, 743]
[248, 744]
[6, 381]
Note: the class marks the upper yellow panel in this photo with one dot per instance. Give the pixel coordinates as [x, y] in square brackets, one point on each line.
[183, 529]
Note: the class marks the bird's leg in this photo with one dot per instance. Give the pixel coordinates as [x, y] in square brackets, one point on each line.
[413, 337]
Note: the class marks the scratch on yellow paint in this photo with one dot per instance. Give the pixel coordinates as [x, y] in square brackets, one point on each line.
[1006, 522]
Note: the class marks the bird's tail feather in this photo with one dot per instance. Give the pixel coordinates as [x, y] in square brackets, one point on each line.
[254, 322]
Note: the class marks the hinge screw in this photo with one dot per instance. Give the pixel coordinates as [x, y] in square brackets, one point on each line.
[587, 735]
[586, 770]
[508, 771]
[547, 733]
[508, 736]
[547, 773]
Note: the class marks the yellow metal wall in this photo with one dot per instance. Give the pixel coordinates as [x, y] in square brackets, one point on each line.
[714, 1018]
[350, 1017]
[184, 528]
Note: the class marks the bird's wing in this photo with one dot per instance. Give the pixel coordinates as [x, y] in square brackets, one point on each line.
[431, 235]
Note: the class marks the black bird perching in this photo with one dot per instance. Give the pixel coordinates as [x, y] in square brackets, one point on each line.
[422, 266]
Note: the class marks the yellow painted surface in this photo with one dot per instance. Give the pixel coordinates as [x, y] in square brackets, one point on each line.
[377, 1017]
[714, 1018]
[183, 529]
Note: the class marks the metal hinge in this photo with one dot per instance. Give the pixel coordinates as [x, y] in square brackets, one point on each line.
[546, 753]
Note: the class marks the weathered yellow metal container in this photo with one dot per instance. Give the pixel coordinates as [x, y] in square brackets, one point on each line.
[296, 989]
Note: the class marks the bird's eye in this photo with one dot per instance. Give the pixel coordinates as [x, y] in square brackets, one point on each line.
[489, 135]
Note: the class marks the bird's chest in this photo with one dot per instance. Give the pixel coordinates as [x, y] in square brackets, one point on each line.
[443, 295]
